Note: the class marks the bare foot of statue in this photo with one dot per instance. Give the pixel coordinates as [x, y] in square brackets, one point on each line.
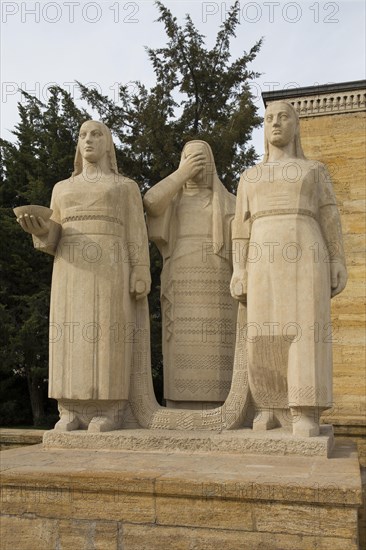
[264, 420]
[304, 422]
[67, 423]
[102, 424]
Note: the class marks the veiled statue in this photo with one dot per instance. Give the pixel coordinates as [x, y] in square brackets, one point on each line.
[189, 218]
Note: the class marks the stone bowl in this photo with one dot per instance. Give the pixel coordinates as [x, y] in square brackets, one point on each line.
[33, 210]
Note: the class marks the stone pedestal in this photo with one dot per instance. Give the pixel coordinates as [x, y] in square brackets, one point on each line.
[12, 438]
[109, 500]
[245, 441]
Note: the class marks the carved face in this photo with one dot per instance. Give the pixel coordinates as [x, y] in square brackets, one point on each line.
[92, 141]
[279, 124]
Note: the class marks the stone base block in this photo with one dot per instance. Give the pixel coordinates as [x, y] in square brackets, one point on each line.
[62, 499]
[11, 438]
[245, 441]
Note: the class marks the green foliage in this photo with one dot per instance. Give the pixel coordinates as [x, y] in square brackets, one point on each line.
[199, 93]
[155, 322]
[42, 155]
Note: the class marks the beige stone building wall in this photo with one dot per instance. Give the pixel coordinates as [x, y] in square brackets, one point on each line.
[333, 125]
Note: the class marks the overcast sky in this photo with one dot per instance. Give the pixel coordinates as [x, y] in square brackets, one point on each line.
[305, 44]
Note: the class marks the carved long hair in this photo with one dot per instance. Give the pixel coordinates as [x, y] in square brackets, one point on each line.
[298, 147]
[111, 153]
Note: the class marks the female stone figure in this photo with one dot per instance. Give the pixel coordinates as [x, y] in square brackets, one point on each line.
[287, 228]
[189, 217]
[98, 236]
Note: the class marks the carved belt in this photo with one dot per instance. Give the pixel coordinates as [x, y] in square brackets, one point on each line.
[280, 211]
[88, 217]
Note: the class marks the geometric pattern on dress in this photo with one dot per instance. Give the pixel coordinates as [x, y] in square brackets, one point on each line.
[203, 386]
[308, 393]
[207, 362]
[200, 285]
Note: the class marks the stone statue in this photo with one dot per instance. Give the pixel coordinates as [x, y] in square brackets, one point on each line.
[189, 218]
[289, 262]
[98, 235]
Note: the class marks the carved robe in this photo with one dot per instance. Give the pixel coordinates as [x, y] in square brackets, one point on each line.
[198, 313]
[289, 334]
[92, 315]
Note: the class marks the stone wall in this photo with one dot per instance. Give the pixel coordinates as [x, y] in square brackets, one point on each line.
[338, 140]
[72, 499]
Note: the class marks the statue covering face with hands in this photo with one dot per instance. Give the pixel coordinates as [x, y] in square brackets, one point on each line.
[97, 234]
[189, 219]
[291, 262]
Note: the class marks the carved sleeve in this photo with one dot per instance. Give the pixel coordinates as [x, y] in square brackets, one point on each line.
[49, 241]
[136, 233]
[160, 196]
[240, 224]
[329, 217]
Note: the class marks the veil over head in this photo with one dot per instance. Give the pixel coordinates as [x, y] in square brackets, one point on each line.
[210, 167]
[298, 147]
[111, 153]
[223, 202]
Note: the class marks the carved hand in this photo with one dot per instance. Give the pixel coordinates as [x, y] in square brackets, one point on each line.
[192, 165]
[238, 285]
[35, 226]
[338, 276]
[140, 281]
